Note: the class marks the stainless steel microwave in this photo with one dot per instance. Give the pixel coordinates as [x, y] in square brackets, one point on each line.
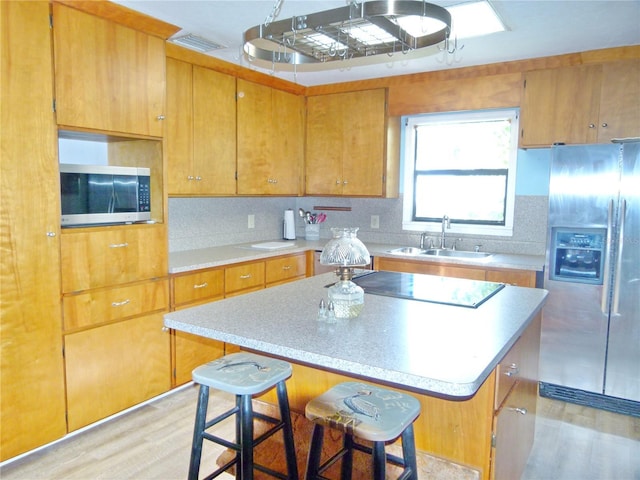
[103, 194]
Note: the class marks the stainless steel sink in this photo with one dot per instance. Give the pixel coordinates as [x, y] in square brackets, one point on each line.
[410, 251]
[438, 252]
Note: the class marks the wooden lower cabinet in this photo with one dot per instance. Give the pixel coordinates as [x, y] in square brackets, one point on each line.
[514, 420]
[521, 278]
[114, 367]
[191, 351]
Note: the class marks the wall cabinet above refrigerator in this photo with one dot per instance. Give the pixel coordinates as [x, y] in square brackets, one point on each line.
[582, 104]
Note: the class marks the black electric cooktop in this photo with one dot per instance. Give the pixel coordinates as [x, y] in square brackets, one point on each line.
[428, 288]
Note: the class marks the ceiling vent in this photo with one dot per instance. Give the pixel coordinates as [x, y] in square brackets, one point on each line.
[195, 42]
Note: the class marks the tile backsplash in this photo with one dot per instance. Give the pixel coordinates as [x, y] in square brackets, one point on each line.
[207, 222]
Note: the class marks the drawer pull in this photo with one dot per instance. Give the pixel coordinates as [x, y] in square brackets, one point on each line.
[120, 304]
[244, 277]
[520, 410]
[512, 370]
[118, 245]
[202, 285]
[287, 267]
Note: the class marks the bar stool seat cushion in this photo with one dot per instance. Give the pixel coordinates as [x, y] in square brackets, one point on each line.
[242, 373]
[364, 411]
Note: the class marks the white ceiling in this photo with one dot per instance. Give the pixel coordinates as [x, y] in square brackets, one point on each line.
[535, 28]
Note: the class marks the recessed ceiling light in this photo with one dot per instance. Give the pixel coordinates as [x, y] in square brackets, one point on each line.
[471, 19]
[474, 20]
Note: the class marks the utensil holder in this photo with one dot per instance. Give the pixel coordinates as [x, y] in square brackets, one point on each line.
[312, 231]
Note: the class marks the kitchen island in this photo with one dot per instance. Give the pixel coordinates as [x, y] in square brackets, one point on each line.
[450, 357]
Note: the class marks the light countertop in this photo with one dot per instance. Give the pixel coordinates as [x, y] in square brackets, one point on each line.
[432, 348]
[189, 260]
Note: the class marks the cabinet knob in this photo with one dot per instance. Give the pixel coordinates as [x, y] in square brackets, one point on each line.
[190, 177]
[345, 182]
[592, 125]
[520, 410]
[337, 182]
[198, 178]
[605, 125]
[512, 370]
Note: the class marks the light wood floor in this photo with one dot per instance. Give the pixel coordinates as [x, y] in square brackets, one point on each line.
[152, 442]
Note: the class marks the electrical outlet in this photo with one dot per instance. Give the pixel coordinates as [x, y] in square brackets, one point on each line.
[251, 221]
[375, 221]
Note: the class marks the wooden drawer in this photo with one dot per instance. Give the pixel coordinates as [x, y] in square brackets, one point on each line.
[109, 257]
[520, 278]
[393, 265]
[247, 276]
[508, 373]
[284, 269]
[109, 304]
[199, 286]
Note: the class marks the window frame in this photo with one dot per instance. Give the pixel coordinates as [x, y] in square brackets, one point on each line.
[408, 172]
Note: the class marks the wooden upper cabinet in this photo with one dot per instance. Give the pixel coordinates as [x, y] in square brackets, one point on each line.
[270, 140]
[346, 144]
[577, 105]
[200, 130]
[620, 101]
[559, 106]
[107, 77]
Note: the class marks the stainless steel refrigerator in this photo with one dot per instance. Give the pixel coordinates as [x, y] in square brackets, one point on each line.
[590, 346]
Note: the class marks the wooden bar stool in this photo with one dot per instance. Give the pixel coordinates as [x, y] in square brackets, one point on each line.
[243, 374]
[366, 412]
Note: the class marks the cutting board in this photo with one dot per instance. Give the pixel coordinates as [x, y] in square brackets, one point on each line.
[273, 245]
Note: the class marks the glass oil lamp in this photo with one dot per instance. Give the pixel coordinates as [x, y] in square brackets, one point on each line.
[346, 252]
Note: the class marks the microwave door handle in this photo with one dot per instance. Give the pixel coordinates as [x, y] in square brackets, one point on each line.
[606, 281]
[112, 200]
[618, 270]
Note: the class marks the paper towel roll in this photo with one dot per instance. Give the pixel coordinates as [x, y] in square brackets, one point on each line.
[289, 229]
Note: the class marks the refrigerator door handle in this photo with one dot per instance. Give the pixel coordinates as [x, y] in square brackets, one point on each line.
[618, 268]
[606, 281]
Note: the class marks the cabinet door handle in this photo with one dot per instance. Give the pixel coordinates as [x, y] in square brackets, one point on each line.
[118, 245]
[520, 410]
[512, 370]
[287, 267]
[198, 178]
[244, 277]
[120, 304]
[201, 285]
[592, 125]
[605, 125]
[51, 234]
[160, 117]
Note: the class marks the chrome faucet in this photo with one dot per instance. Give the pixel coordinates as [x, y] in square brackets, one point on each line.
[423, 238]
[445, 223]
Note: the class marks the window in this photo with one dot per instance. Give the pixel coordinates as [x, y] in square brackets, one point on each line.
[461, 165]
